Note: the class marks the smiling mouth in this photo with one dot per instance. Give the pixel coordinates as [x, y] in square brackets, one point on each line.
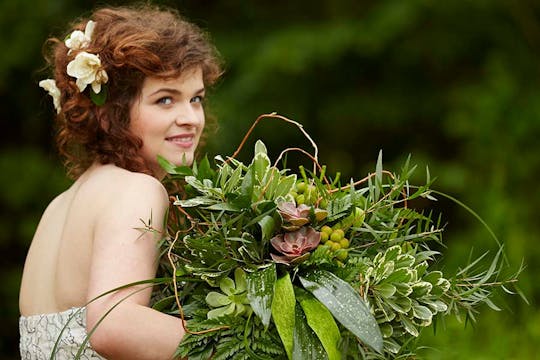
[185, 141]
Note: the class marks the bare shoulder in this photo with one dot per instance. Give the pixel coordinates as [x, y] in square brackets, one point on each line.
[118, 184]
[56, 204]
[118, 196]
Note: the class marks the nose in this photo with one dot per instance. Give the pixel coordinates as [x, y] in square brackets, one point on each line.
[189, 115]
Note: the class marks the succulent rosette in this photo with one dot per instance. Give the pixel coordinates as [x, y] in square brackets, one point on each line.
[293, 216]
[270, 264]
[295, 246]
[232, 299]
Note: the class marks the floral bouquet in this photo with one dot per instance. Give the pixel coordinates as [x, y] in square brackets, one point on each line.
[271, 264]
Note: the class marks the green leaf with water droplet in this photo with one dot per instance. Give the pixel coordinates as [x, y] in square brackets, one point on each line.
[321, 321]
[260, 285]
[346, 306]
[306, 345]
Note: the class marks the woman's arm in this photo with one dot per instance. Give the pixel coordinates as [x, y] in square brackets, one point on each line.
[122, 255]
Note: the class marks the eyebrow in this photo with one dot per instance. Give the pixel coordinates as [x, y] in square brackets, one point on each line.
[175, 91]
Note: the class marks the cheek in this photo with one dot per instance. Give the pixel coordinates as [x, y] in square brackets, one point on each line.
[201, 129]
[203, 121]
[134, 120]
[144, 125]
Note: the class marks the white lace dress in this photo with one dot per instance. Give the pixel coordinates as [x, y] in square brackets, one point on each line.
[39, 333]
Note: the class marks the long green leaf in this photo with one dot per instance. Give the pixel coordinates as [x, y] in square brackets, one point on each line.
[306, 344]
[378, 175]
[346, 306]
[260, 288]
[321, 321]
[283, 311]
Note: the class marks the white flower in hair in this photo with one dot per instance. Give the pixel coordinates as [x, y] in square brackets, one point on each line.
[79, 40]
[86, 68]
[50, 86]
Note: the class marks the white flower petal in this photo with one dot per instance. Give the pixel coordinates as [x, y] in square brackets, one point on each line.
[75, 40]
[86, 69]
[96, 86]
[102, 76]
[81, 84]
[50, 86]
[89, 30]
[78, 40]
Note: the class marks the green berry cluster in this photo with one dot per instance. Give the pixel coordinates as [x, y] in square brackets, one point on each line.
[334, 238]
[305, 193]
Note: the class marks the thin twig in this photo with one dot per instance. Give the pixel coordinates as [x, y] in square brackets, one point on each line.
[312, 158]
[362, 181]
[276, 116]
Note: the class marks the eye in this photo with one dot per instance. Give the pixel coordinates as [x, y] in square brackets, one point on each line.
[166, 100]
[197, 99]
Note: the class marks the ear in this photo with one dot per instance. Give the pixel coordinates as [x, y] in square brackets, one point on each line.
[102, 118]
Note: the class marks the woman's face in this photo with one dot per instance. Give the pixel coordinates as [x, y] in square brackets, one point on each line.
[169, 118]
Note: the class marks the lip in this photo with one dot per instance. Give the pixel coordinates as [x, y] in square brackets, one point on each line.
[184, 141]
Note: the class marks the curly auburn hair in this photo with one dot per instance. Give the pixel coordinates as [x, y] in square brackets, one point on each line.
[132, 43]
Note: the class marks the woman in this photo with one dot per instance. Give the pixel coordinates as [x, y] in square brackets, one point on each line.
[129, 85]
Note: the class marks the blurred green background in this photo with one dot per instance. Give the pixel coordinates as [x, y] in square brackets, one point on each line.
[453, 83]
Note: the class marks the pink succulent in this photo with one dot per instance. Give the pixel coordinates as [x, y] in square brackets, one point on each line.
[295, 246]
[291, 214]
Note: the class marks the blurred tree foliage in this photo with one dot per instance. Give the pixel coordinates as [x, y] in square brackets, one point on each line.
[454, 83]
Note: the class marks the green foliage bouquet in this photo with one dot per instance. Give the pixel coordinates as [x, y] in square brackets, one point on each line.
[271, 264]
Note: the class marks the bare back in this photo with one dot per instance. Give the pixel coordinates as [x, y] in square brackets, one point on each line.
[57, 268]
